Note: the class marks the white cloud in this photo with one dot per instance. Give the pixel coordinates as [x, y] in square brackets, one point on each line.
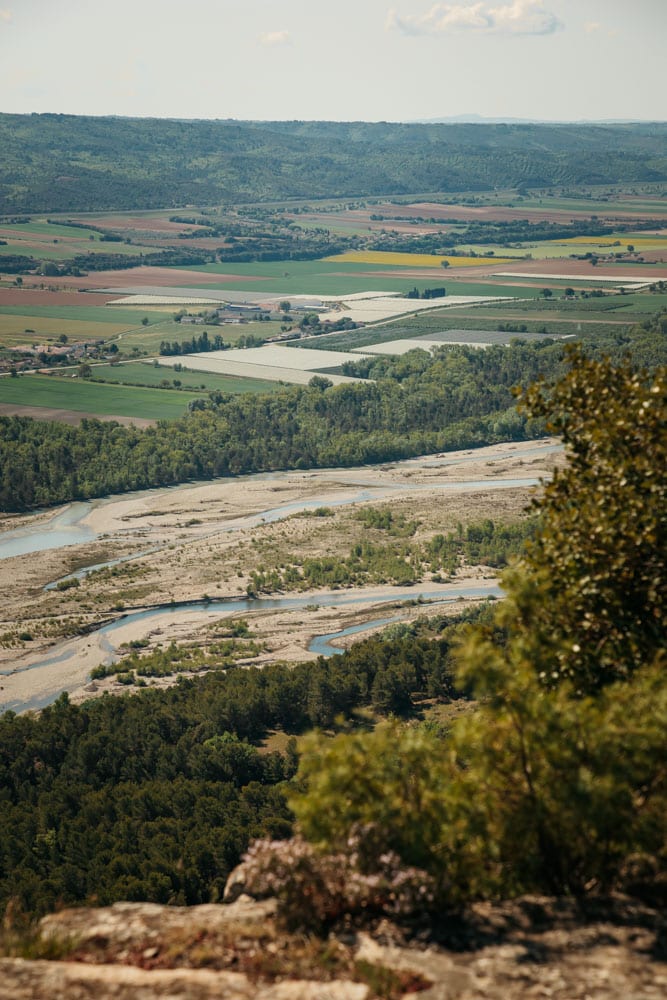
[518, 17]
[274, 38]
[6, 14]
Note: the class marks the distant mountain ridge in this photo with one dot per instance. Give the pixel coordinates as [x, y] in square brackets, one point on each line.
[66, 163]
[475, 119]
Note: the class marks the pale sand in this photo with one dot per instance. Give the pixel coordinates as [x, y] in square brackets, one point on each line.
[237, 500]
[138, 521]
[289, 632]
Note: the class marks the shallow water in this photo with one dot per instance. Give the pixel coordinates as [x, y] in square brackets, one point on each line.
[67, 528]
[321, 645]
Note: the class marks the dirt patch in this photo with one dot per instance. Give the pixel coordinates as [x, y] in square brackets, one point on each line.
[162, 276]
[68, 416]
[29, 296]
[138, 222]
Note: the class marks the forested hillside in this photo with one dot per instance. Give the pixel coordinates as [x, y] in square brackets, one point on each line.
[68, 163]
[157, 795]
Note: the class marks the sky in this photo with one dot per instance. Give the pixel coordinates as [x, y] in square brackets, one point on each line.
[348, 60]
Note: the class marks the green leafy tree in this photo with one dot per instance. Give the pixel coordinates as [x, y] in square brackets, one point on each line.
[557, 780]
[590, 599]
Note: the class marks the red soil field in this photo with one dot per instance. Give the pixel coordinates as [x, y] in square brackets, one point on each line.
[165, 277]
[653, 256]
[28, 296]
[139, 222]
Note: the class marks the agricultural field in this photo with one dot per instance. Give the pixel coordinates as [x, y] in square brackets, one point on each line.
[20, 331]
[413, 260]
[21, 325]
[147, 340]
[461, 338]
[131, 312]
[274, 362]
[53, 241]
[52, 392]
[145, 373]
[322, 277]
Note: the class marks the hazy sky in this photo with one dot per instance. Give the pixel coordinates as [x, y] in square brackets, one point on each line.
[393, 60]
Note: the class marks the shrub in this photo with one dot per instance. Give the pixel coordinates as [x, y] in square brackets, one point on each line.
[316, 890]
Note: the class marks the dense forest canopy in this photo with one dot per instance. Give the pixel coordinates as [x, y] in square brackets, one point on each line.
[70, 163]
[156, 796]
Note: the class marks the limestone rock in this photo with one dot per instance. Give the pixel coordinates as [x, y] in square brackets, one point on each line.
[527, 949]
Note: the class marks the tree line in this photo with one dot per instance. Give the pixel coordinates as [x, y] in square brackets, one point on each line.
[419, 403]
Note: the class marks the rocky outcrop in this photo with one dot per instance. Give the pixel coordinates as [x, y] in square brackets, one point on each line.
[533, 948]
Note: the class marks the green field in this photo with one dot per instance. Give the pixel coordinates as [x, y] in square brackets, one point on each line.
[89, 314]
[629, 308]
[600, 206]
[30, 247]
[42, 240]
[53, 229]
[145, 373]
[148, 338]
[82, 396]
[78, 323]
[18, 330]
[320, 277]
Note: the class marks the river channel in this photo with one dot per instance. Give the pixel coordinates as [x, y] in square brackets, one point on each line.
[31, 682]
[66, 654]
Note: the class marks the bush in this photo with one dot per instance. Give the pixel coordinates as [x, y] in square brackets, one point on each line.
[315, 890]
[556, 782]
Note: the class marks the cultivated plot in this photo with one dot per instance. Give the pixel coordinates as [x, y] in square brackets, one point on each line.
[273, 362]
[375, 310]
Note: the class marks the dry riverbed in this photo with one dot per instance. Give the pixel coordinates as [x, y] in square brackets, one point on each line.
[204, 541]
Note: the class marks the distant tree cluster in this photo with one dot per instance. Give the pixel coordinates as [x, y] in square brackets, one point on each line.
[196, 345]
[427, 293]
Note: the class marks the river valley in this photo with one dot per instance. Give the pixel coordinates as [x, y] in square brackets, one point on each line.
[83, 582]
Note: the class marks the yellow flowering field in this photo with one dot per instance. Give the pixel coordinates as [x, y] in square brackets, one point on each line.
[411, 259]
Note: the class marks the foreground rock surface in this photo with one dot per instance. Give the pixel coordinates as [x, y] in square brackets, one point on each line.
[529, 948]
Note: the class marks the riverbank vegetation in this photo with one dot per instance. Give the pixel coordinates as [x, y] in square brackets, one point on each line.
[416, 404]
[401, 561]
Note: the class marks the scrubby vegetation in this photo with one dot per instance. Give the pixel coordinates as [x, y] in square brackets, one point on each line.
[403, 563]
[556, 781]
